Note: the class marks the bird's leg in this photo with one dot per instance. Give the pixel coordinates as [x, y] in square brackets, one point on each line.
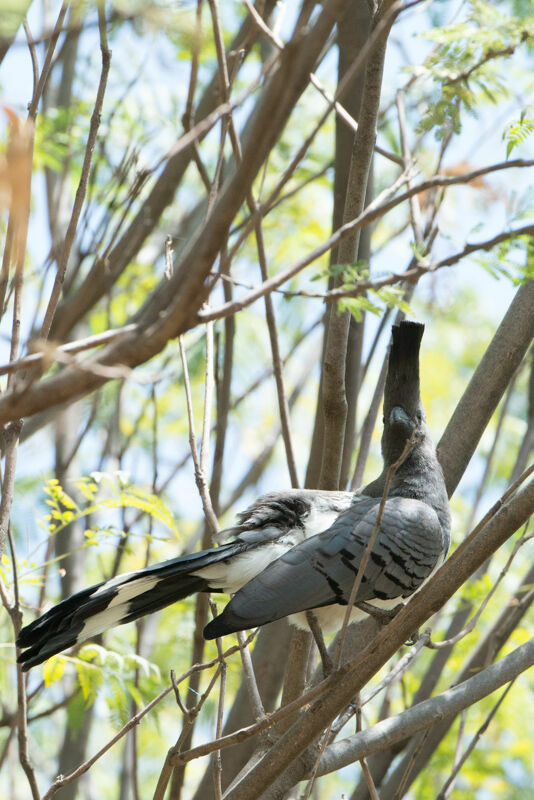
[317, 633]
[383, 615]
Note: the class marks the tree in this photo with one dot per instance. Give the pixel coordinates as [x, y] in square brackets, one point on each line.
[176, 197]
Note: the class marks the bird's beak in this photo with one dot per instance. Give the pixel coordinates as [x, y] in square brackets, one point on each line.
[399, 416]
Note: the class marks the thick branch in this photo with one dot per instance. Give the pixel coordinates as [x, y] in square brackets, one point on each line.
[487, 386]
[334, 363]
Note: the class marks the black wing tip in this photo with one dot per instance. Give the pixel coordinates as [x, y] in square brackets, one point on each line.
[45, 649]
[222, 625]
[31, 658]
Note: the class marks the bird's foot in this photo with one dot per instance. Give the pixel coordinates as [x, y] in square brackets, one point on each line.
[382, 615]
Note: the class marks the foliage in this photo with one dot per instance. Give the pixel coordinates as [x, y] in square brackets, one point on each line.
[517, 132]
[462, 63]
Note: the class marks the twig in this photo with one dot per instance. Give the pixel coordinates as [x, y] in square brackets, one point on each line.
[399, 669]
[317, 633]
[64, 780]
[415, 210]
[185, 733]
[200, 477]
[262, 258]
[32, 109]
[49, 351]
[380, 206]
[187, 117]
[367, 216]
[343, 86]
[473, 622]
[217, 764]
[449, 783]
[33, 56]
[373, 794]
[488, 461]
[332, 100]
[209, 386]
[250, 678]
[84, 177]
[10, 442]
[416, 750]
[11, 437]
[408, 447]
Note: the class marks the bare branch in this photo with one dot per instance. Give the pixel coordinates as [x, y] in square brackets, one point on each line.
[487, 385]
[200, 476]
[448, 704]
[82, 185]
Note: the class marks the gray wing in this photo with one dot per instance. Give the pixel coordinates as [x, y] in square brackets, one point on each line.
[321, 570]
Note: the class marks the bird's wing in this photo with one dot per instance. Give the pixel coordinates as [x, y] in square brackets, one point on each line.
[321, 570]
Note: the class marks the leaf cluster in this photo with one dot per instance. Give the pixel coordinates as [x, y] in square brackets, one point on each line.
[464, 63]
[517, 132]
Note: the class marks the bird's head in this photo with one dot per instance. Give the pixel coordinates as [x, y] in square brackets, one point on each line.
[399, 426]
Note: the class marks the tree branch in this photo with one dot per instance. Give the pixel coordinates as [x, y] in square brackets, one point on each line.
[423, 715]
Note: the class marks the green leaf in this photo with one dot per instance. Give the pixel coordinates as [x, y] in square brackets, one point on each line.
[53, 670]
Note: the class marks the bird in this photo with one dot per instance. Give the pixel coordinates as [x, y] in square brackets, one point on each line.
[297, 550]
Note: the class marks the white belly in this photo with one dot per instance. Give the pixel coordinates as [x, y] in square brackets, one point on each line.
[330, 618]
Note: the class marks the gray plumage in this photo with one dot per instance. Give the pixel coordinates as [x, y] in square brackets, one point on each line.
[295, 550]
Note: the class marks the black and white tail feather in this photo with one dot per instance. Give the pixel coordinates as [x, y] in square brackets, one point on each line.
[295, 550]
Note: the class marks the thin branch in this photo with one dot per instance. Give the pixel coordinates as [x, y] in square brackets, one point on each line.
[380, 206]
[262, 258]
[209, 386]
[78, 346]
[333, 387]
[10, 440]
[64, 780]
[217, 764]
[33, 56]
[415, 210]
[32, 109]
[449, 784]
[199, 475]
[10, 444]
[473, 622]
[333, 102]
[408, 447]
[84, 177]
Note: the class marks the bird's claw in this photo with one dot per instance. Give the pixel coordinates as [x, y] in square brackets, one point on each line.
[382, 615]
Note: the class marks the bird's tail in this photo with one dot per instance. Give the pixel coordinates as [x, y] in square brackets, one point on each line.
[119, 600]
